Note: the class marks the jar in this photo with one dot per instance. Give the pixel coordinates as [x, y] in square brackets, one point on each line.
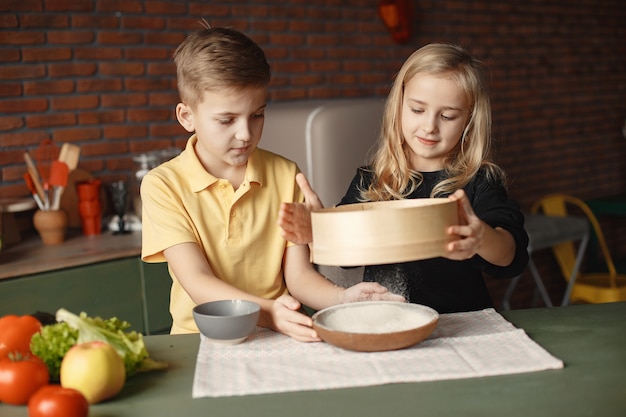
[143, 163]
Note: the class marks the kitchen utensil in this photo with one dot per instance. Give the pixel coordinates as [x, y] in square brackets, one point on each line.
[382, 232]
[59, 172]
[227, 321]
[374, 326]
[33, 190]
[46, 152]
[70, 154]
[34, 174]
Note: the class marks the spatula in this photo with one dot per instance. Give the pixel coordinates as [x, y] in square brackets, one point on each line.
[34, 174]
[70, 154]
[59, 172]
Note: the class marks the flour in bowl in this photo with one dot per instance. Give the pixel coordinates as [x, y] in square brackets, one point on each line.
[376, 318]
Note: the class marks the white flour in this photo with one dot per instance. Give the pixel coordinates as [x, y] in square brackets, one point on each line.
[376, 319]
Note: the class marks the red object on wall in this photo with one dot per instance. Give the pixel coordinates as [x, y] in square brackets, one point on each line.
[396, 15]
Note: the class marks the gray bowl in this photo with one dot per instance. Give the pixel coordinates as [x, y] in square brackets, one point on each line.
[227, 321]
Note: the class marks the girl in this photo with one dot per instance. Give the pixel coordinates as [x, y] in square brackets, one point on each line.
[435, 142]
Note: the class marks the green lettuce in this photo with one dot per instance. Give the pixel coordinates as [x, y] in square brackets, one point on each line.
[55, 340]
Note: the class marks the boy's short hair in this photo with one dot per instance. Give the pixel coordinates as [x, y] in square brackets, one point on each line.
[218, 59]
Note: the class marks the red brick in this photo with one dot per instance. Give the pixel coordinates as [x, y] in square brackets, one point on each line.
[204, 9]
[74, 102]
[172, 130]
[146, 84]
[46, 54]
[50, 120]
[12, 55]
[119, 38]
[123, 100]
[165, 8]
[307, 79]
[125, 132]
[95, 85]
[97, 53]
[49, 87]
[21, 6]
[70, 37]
[33, 105]
[168, 38]
[72, 69]
[8, 21]
[162, 69]
[45, 21]
[68, 6]
[147, 54]
[101, 149]
[10, 123]
[164, 99]
[121, 68]
[119, 6]
[142, 22]
[21, 38]
[21, 139]
[287, 39]
[148, 115]
[76, 134]
[10, 89]
[101, 117]
[89, 21]
[189, 23]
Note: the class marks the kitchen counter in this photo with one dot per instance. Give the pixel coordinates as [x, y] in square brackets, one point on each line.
[31, 256]
[590, 339]
[101, 275]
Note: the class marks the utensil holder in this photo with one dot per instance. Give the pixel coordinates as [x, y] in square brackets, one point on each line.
[51, 225]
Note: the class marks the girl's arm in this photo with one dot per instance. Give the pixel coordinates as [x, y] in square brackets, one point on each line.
[317, 292]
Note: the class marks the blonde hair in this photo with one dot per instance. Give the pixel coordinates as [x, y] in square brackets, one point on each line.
[218, 59]
[393, 178]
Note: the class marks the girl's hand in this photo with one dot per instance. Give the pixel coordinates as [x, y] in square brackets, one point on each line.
[368, 291]
[295, 218]
[287, 319]
[470, 229]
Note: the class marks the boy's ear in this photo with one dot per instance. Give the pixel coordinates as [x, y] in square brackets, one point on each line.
[185, 117]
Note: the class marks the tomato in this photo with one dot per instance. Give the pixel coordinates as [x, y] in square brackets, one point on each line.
[16, 332]
[56, 401]
[20, 376]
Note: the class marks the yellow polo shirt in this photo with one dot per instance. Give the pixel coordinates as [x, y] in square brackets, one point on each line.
[237, 230]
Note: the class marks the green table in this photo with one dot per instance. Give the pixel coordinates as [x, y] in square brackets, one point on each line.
[590, 339]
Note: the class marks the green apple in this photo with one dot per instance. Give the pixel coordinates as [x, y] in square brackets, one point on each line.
[95, 369]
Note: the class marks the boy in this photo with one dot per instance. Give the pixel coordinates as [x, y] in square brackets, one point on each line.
[211, 212]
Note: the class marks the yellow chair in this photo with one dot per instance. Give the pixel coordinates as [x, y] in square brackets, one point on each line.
[589, 287]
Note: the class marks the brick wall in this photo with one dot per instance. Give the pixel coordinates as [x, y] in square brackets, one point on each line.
[99, 74]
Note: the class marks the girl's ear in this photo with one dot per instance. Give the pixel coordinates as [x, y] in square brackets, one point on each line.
[184, 114]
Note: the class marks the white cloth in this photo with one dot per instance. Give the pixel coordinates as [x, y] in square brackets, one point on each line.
[464, 345]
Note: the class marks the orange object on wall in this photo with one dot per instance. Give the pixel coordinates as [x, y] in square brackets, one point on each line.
[396, 15]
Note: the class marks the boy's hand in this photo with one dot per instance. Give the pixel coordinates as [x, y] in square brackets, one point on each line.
[369, 291]
[295, 218]
[287, 319]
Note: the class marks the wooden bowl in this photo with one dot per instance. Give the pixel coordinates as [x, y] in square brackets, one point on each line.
[374, 326]
[382, 232]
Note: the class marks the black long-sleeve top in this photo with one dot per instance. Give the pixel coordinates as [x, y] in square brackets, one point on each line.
[447, 285]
